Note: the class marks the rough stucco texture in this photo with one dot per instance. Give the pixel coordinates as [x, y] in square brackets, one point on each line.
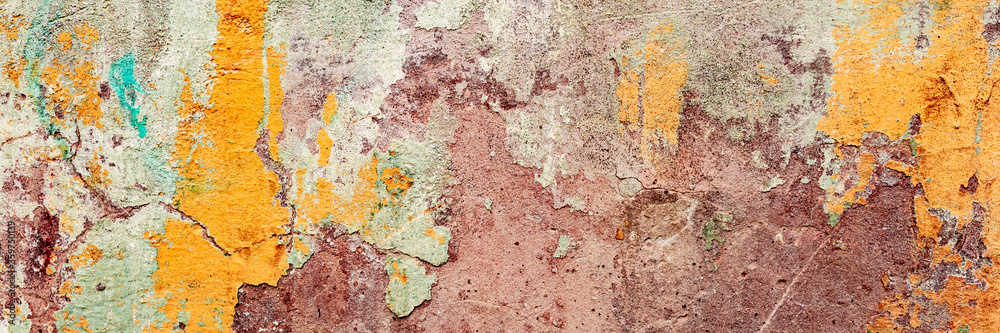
[499, 165]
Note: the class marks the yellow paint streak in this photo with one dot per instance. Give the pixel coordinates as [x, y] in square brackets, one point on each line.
[223, 182]
[325, 143]
[193, 272]
[234, 195]
[664, 73]
[881, 80]
[329, 108]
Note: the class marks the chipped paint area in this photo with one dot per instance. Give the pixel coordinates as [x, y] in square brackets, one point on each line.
[483, 165]
[650, 91]
[932, 78]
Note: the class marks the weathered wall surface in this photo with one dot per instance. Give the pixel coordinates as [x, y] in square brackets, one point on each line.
[500, 165]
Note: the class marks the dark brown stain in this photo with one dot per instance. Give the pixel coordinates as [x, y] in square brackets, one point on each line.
[991, 27]
[36, 239]
[971, 187]
[840, 289]
[545, 82]
[408, 107]
[340, 288]
[105, 93]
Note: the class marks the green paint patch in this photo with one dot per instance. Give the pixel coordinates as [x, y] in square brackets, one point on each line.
[122, 275]
[296, 257]
[489, 204]
[448, 14]
[771, 183]
[566, 244]
[576, 203]
[834, 219]
[409, 284]
[629, 187]
[758, 160]
[713, 229]
[128, 89]
[963, 329]
[411, 179]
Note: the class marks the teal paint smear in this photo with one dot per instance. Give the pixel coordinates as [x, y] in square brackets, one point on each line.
[128, 89]
[39, 35]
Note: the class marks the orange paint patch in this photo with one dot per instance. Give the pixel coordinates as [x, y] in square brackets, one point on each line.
[314, 206]
[10, 27]
[89, 256]
[398, 274]
[325, 144]
[395, 179]
[665, 73]
[224, 184]
[81, 96]
[81, 323]
[88, 110]
[86, 34]
[65, 40]
[14, 70]
[430, 233]
[329, 108]
[927, 225]
[58, 94]
[67, 288]
[198, 278]
[881, 80]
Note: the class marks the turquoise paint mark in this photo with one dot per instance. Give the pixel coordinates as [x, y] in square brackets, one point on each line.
[39, 34]
[128, 89]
